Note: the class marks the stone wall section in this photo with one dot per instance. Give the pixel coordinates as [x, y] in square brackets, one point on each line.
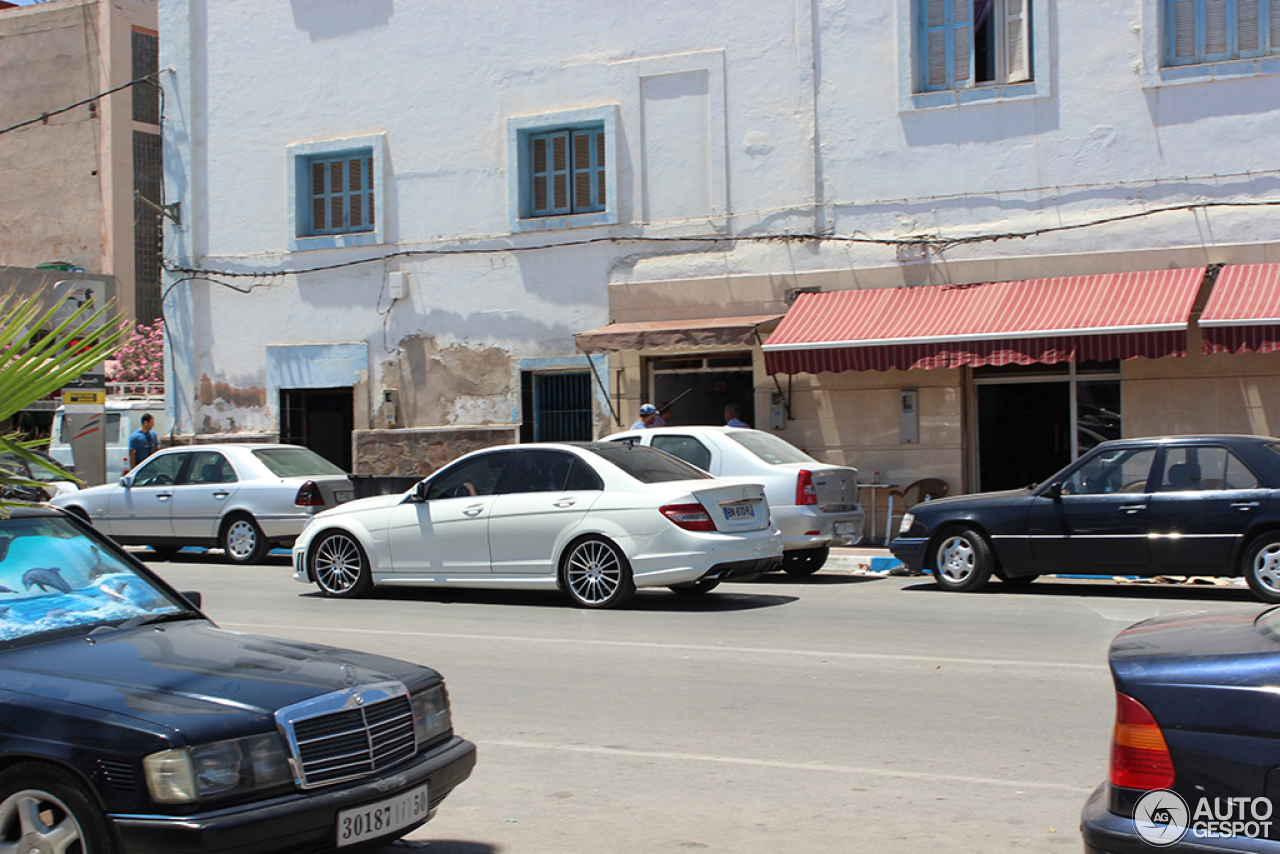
[419, 452]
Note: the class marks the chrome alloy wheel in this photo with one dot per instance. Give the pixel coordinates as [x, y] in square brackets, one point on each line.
[957, 558]
[1266, 568]
[594, 572]
[37, 822]
[241, 539]
[338, 564]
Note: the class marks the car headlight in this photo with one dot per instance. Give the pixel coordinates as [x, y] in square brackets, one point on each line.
[908, 519]
[187, 774]
[431, 716]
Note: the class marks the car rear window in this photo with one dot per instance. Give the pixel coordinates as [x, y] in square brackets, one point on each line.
[647, 465]
[770, 448]
[55, 579]
[296, 462]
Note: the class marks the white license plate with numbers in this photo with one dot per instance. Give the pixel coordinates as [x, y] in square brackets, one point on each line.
[739, 511]
[341, 495]
[844, 532]
[376, 819]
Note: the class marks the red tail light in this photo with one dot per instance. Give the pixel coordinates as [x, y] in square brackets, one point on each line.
[691, 517]
[309, 495]
[805, 493]
[1139, 756]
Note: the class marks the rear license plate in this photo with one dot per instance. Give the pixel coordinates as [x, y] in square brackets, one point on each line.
[376, 819]
[739, 511]
[341, 495]
[844, 531]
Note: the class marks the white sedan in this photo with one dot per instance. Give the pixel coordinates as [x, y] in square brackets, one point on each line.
[242, 498]
[595, 520]
[815, 505]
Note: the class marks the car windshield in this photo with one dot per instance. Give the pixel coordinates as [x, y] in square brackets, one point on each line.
[296, 462]
[646, 464]
[770, 448]
[54, 577]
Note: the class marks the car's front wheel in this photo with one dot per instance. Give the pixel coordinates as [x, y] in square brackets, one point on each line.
[595, 574]
[242, 540]
[963, 561]
[43, 808]
[340, 566]
[804, 561]
[1262, 567]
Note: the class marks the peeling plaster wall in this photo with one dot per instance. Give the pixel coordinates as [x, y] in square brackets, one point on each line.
[451, 385]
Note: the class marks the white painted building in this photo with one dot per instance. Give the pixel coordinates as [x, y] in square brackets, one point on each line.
[396, 217]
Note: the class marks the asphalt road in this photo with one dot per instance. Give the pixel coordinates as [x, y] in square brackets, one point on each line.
[840, 713]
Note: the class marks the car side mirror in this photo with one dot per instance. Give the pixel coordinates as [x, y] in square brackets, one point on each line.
[1053, 491]
[126, 481]
[192, 596]
[420, 491]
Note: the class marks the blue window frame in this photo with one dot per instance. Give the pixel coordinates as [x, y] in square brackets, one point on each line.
[968, 43]
[340, 193]
[1200, 31]
[567, 171]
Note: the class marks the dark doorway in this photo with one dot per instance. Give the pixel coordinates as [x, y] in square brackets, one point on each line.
[321, 419]
[1023, 433]
[556, 407]
[701, 385]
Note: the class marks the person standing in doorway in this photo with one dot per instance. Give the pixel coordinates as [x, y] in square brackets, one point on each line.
[648, 417]
[143, 442]
[731, 413]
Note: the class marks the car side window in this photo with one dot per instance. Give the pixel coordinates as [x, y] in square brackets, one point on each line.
[210, 467]
[1204, 468]
[160, 470]
[686, 448]
[581, 478]
[539, 471]
[477, 476]
[1120, 470]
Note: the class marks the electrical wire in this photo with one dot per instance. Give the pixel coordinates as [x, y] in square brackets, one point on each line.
[44, 117]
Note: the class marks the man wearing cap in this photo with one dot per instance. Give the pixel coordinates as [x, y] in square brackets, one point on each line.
[648, 417]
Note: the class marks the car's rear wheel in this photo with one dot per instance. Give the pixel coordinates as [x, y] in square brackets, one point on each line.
[963, 561]
[242, 539]
[804, 561]
[595, 574]
[340, 567]
[1262, 567]
[696, 588]
[45, 809]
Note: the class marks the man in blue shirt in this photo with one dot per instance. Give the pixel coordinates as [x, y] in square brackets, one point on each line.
[648, 418]
[143, 442]
[731, 419]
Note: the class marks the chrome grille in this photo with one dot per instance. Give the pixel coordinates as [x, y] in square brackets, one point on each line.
[348, 735]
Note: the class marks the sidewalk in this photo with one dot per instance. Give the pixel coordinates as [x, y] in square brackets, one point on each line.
[861, 560]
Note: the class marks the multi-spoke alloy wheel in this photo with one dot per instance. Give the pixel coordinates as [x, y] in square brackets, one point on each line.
[243, 541]
[596, 575]
[340, 567]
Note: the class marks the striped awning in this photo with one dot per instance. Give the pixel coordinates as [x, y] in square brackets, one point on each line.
[737, 331]
[1243, 312]
[1076, 318]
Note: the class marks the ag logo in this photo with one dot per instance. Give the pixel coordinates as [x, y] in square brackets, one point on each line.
[1161, 817]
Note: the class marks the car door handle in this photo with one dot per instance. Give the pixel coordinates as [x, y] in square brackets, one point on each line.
[474, 510]
[221, 493]
[566, 502]
[162, 496]
[1130, 509]
[1245, 505]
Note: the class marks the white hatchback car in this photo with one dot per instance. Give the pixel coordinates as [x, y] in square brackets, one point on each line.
[242, 498]
[595, 520]
[815, 505]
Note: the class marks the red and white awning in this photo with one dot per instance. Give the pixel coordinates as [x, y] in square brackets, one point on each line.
[1243, 312]
[1076, 318]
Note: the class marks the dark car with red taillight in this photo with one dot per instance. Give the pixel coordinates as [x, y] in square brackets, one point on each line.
[1195, 753]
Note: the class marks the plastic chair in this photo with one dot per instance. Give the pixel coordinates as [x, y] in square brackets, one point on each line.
[909, 496]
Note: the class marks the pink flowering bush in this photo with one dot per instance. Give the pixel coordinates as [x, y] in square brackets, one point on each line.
[141, 358]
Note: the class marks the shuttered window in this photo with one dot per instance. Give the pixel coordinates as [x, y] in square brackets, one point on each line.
[966, 43]
[567, 171]
[340, 193]
[1198, 31]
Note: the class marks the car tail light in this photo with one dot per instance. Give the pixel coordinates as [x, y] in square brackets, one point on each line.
[1139, 756]
[805, 493]
[309, 495]
[691, 517]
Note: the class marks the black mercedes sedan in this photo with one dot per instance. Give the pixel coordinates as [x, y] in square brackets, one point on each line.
[1195, 749]
[129, 722]
[1174, 505]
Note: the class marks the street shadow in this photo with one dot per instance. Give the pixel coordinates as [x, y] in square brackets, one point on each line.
[438, 846]
[658, 599]
[1106, 589]
[818, 579]
[196, 556]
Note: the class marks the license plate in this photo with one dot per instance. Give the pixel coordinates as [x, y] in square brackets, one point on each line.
[739, 511]
[377, 819]
[341, 495]
[844, 531]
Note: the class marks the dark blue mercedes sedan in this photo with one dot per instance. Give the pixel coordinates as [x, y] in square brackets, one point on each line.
[131, 723]
[1174, 505]
[1195, 751]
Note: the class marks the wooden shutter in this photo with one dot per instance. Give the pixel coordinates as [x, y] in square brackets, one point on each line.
[948, 43]
[583, 151]
[1017, 29]
[355, 190]
[1216, 31]
[337, 210]
[369, 169]
[1247, 32]
[1184, 30]
[600, 168]
[962, 42]
[1273, 8]
[319, 222]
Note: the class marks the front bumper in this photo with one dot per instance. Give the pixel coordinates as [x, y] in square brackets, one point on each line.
[911, 551]
[1104, 832]
[306, 821]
